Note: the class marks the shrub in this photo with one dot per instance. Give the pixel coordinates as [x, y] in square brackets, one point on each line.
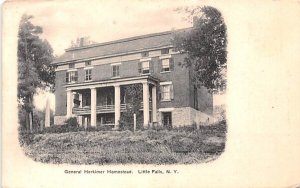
[25, 138]
[157, 128]
[187, 128]
[72, 122]
[99, 128]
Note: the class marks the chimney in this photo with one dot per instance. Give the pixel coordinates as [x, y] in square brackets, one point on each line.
[81, 42]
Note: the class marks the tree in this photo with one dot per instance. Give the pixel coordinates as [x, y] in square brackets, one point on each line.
[133, 97]
[205, 45]
[34, 70]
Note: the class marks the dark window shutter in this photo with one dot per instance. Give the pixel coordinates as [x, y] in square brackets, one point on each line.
[160, 65]
[171, 64]
[151, 67]
[76, 76]
[67, 77]
[140, 67]
[171, 92]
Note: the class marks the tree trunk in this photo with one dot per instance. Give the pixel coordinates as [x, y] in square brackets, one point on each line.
[27, 121]
[30, 122]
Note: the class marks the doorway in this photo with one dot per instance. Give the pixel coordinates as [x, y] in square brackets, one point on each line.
[167, 119]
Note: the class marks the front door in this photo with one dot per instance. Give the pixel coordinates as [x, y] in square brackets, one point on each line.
[167, 119]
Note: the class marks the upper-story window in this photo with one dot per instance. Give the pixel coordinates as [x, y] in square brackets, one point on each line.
[144, 67]
[115, 70]
[166, 91]
[145, 54]
[71, 76]
[167, 64]
[72, 65]
[88, 63]
[165, 51]
[88, 74]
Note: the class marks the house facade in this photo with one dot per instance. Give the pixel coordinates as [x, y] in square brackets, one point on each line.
[90, 82]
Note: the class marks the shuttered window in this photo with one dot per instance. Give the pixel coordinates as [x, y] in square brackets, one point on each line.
[166, 92]
[71, 77]
[88, 74]
[145, 67]
[167, 65]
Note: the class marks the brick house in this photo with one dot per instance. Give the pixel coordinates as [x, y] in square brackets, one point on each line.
[90, 81]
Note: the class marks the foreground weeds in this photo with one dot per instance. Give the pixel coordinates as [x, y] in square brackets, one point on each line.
[125, 147]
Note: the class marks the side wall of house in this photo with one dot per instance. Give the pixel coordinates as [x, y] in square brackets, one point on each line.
[60, 98]
[204, 97]
[179, 78]
[60, 94]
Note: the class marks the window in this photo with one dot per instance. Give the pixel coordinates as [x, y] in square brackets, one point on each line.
[145, 54]
[72, 77]
[167, 92]
[145, 67]
[165, 51]
[72, 65]
[88, 74]
[88, 63]
[167, 64]
[115, 70]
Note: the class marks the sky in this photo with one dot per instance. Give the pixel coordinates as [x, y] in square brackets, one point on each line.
[101, 21]
[104, 21]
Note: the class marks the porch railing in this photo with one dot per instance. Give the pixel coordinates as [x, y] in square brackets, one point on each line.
[101, 109]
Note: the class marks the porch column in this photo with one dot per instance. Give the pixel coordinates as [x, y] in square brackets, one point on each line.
[93, 107]
[146, 103]
[117, 106]
[154, 109]
[69, 103]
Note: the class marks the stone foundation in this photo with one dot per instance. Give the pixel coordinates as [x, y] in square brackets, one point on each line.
[187, 116]
[200, 118]
[59, 120]
[181, 117]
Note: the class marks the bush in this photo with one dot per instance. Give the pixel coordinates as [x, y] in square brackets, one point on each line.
[25, 138]
[126, 121]
[187, 128]
[72, 122]
[99, 128]
[71, 126]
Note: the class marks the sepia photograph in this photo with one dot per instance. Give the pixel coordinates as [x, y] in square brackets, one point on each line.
[144, 99]
[148, 93]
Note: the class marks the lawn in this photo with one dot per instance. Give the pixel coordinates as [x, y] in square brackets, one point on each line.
[125, 147]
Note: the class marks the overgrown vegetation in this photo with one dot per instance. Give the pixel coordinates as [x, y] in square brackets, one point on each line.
[159, 146]
[34, 71]
[133, 97]
[205, 46]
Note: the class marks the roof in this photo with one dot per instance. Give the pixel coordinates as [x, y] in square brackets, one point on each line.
[132, 44]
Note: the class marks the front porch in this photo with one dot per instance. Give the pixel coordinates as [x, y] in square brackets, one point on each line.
[101, 104]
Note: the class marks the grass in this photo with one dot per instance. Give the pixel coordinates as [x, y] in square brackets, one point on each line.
[125, 147]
